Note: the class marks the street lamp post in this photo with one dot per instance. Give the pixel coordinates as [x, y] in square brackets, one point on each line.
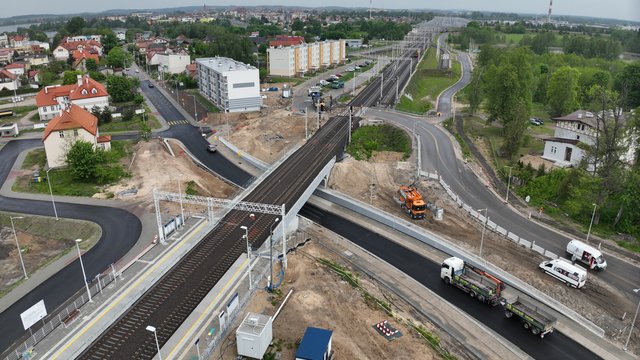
[195, 109]
[626, 344]
[180, 194]
[18, 244]
[84, 275]
[591, 223]
[246, 237]
[506, 199]
[51, 192]
[271, 253]
[484, 226]
[155, 335]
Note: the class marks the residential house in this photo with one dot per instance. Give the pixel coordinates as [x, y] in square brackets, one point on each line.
[575, 130]
[80, 58]
[17, 40]
[4, 40]
[173, 63]
[191, 70]
[85, 93]
[17, 69]
[66, 49]
[8, 80]
[71, 125]
[6, 56]
[38, 59]
[80, 38]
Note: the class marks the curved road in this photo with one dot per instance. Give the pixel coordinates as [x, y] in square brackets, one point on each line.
[553, 346]
[437, 154]
[120, 231]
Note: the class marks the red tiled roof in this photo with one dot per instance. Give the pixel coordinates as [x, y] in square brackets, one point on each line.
[73, 45]
[14, 66]
[48, 95]
[86, 54]
[92, 87]
[104, 138]
[73, 117]
[6, 74]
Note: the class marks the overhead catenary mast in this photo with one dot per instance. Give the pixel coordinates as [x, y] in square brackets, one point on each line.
[549, 15]
[370, 5]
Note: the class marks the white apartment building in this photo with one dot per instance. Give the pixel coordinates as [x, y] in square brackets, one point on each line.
[173, 63]
[299, 59]
[229, 84]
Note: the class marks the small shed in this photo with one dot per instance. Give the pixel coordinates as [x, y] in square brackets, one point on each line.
[315, 345]
[10, 129]
[254, 335]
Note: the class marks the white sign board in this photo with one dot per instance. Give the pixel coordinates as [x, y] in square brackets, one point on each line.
[33, 314]
[139, 111]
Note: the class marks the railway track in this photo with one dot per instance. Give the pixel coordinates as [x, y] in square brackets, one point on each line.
[172, 299]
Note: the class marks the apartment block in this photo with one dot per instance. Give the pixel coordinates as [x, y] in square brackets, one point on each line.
[299, 59]
[230, 85]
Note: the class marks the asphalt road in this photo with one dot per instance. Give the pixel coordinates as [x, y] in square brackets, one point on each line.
[120, 231]
[191, 137]
[444, 102]
[553, 346]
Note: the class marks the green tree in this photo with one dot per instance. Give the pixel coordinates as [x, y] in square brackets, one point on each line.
[628, 82]
[120, 88]
[92, 65]
[117, 58]
[75, 25]
[562, 92]
[70, 77]
[297, 25]
[83, 160]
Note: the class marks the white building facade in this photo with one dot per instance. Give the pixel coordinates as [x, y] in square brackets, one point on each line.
[230, 85]
[299, 59]
[173, 63]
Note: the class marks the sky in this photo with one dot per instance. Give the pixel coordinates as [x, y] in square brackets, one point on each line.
[616, 9]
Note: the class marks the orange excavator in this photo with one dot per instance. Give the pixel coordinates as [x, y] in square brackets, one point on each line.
[411, 200]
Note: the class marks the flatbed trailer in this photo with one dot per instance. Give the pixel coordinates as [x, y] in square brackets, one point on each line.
[477, 283]
[532, 317]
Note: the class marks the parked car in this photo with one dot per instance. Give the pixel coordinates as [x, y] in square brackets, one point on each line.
[350, 69]
[211, 148]
[151, 85]
[534, 121]
[324, 83]
[338, 75]
[357, 67]
[331, 79]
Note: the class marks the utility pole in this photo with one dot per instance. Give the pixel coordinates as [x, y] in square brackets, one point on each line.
[306, 129]
[397, 87]
[381, 84]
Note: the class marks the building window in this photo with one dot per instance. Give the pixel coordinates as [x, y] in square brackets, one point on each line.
[75, 132]
[61, 133]
[578, 137]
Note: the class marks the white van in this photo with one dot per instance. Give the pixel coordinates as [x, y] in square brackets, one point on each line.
[565, 271]
[592, 257]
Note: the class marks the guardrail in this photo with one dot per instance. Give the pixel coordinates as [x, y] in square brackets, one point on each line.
[438, 243]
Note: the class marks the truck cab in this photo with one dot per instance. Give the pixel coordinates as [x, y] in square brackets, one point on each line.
[411, 200]
[451, 267]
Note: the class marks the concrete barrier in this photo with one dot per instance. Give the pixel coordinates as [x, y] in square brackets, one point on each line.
[247, 157]
[537, 249]
[513, 237]
[502, 231]
[525, 243]
[549, 254]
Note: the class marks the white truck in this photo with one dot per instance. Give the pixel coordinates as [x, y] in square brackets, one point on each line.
[592, 257]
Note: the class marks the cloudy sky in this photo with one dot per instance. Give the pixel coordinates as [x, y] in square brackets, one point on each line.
[617, 9]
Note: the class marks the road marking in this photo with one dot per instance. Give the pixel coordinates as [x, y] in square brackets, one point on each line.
[208, 309]
[129, 289]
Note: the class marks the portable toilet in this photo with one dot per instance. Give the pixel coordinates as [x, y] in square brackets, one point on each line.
[315, 345]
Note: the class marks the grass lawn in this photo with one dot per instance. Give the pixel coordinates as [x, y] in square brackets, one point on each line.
[513, 38]
[62, 181]
[204, 101]
[19, 112]
[294, 81]
[367, 139]
[132, 125]
[426, 84]
[56, 234]
[35, 157]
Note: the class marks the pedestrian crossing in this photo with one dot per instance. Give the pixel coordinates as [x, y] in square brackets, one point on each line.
[177, 122]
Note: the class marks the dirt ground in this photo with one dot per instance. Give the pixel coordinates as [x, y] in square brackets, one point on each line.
[155, 168]
[42, 240]
[267, 133]
[318, 300]
[597, 301]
